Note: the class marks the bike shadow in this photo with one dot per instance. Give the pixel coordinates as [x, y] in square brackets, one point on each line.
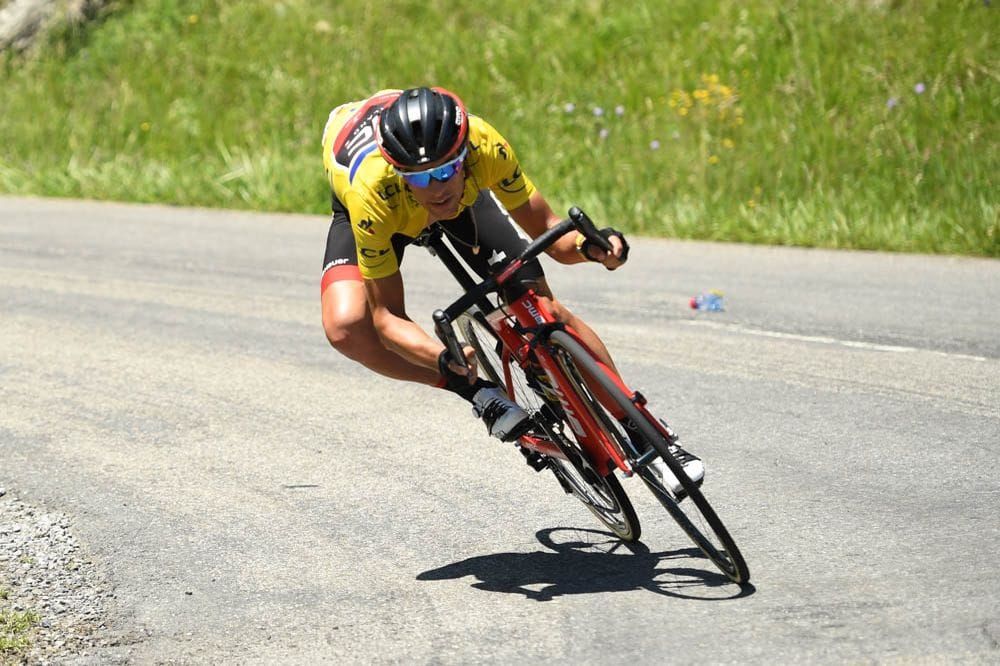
[590, 562]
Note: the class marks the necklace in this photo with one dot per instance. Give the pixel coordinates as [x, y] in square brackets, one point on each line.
[474, 246]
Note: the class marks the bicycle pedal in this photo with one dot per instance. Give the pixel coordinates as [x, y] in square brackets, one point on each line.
[535, 460]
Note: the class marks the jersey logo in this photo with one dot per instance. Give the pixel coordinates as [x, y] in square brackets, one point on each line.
[366, 225]
[503, 149]
[369, 253]
[496, 257]
[389, 191]
[514, 183]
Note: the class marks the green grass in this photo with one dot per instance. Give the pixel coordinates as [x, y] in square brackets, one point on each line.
[15, 630]
[836, 123]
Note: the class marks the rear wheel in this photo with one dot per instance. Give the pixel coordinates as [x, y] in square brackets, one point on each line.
[695, 515]
[602, 495]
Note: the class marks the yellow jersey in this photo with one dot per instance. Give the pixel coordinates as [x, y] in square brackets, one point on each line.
[378, 201]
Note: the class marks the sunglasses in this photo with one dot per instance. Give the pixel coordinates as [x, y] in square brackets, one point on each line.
[442, 173]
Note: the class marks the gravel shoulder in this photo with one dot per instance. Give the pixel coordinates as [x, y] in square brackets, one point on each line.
[45, 570]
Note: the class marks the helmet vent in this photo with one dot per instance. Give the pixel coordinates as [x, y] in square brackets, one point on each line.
[422, 125]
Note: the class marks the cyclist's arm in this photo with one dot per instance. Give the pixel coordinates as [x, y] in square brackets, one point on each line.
[536, 216]
[398, 332]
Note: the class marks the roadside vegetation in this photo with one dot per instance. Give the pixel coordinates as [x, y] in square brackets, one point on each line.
[15, 631]
[836, 123]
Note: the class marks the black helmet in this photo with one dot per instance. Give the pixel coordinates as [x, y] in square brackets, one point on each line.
[422, 125]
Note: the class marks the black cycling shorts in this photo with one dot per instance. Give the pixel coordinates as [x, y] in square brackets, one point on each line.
[484, 224]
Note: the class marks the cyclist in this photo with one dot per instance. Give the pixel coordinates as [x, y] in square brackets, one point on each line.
[396, 163]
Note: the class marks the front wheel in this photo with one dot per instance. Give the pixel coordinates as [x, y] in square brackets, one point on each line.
[695, 515]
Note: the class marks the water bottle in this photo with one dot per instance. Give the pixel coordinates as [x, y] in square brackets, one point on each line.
[710, 300]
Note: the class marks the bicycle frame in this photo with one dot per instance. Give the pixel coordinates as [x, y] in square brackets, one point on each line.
[522, 326]
[533, 320]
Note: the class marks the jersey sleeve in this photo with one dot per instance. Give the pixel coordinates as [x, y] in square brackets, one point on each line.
[500, 168]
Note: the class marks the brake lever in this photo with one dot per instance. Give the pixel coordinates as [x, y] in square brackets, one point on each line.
[446, 333]
[586, 227]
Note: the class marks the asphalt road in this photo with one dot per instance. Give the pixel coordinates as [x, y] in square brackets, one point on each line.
[254, 497]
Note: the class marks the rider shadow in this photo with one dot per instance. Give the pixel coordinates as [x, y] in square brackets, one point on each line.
[588, 567]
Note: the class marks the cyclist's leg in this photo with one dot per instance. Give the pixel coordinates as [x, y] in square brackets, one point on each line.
[566, 316]
[589, 338]
[347, 320]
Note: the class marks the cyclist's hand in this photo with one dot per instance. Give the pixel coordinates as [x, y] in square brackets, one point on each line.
[619, 249]
[610, 260]
[453, 371]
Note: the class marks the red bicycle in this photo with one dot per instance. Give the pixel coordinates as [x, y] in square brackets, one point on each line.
[555, 377]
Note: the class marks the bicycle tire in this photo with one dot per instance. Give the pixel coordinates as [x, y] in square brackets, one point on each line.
[603, 495]
[475, 331]
[696, 518]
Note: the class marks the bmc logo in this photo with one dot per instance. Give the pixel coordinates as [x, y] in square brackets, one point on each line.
[533, 311]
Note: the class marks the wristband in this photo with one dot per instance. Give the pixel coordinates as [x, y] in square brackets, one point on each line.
[443, 358]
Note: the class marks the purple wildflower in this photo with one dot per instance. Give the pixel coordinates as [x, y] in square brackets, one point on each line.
[654, 144]
[919, 88]
[598, 111]
[892, 103]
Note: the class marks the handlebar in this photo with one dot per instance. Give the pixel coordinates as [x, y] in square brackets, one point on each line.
[443, 318]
